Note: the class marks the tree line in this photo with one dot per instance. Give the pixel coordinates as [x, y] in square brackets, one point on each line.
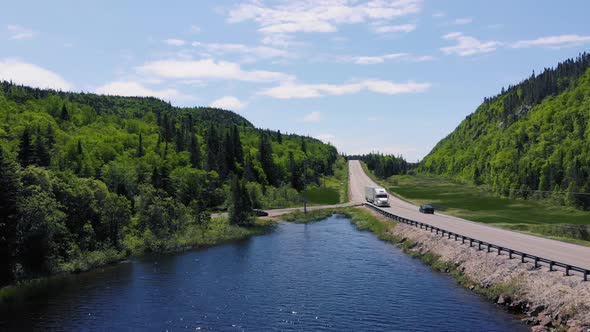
[530, 141]
[83, 174]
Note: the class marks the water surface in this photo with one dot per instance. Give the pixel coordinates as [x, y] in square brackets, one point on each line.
[323, 276]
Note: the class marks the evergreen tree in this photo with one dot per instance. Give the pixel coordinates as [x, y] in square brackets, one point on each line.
[238, 152]
[240, 212]
[140, 151]
[9, 189]
[279, 137]
[195, 152]
[65, 115]
[249, 173]
[26, 154]
[50, 137]
[42, 156]
[213, 149]
[80, 149]
[266, 159]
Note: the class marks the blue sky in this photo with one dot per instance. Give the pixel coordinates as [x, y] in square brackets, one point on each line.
[377, 75]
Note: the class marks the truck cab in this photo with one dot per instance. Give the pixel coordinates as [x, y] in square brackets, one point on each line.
[377, 196]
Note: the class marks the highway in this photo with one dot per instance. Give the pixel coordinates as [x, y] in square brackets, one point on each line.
[563, 252]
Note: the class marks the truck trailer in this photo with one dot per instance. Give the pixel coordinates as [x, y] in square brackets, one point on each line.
[377, 196]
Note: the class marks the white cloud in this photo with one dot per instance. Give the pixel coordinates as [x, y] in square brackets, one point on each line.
[19, 32]
[195, 28]
[175, 42]
[553, 41]
[257, 52]
[376, 59]
[318, 16]
[372, 118]
[135, 89]
[208, 69]
[467, 45]
[394, 28]
[313, 117]
[463, 21]
[278, 40]
[439, 14]
[228, 103]
[31, 75]
[291, 90]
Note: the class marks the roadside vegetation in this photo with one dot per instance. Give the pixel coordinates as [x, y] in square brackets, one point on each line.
[474, 203]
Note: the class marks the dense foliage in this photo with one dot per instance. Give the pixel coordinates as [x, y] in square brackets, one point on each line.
[83, 174]
[384, 166]
[529, 141]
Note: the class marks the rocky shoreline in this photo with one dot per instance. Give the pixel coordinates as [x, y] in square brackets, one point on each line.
[547, 301]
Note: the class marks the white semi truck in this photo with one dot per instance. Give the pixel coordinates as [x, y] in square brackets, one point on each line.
[377, 196]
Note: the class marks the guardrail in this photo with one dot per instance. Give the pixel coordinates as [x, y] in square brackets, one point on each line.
[524, 257]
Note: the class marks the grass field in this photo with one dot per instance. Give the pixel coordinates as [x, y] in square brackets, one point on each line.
[332, 189]
[323, 196]
[472, 203]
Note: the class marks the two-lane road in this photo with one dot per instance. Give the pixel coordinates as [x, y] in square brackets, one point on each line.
[563, 252]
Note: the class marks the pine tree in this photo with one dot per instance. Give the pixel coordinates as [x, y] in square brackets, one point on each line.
[80, 149]
[249, 173]
[237, 145]
[9, 188]
[65, 115]
[241, 204]
[50, 137]
[140, 151]
[26, 154]
[266, 159]
[279, 137]
[42, 156]
[213, 149]
[195, 152]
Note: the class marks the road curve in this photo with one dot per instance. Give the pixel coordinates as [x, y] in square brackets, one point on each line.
[563, 252]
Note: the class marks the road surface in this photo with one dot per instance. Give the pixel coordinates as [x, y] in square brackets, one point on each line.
[563, 252]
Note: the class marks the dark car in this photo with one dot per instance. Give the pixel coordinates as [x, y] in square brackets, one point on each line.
[260, 213]
[426, 209]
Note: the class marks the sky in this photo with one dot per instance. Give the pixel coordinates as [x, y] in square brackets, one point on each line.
[367, 76]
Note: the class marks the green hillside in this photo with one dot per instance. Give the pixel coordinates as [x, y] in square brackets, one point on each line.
[530, 141]
[86, 178]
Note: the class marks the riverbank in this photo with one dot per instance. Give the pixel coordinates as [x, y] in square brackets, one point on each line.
[217, 231]
[549, 301]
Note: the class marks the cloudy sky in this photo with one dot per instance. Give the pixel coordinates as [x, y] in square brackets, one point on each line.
[378, 75]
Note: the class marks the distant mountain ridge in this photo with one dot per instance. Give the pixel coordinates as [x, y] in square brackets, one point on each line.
[531, 140]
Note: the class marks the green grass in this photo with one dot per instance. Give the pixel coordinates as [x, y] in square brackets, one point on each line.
[323, 196]
[299, 217]
[476, 204]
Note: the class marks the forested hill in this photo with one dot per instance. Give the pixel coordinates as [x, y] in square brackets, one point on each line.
[531, 140]
[82, 175]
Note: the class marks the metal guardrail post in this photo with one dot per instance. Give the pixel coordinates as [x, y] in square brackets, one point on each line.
[586, 275]
[551, 266]
[522, 256]
[510, 252]
[489, 247]
[567, 270]
[536, 262]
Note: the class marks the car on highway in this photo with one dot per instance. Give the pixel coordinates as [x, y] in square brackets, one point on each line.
[428, 209]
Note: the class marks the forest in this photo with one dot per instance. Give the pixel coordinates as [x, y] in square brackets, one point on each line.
[530, 141]
[383, 165]
[89, 177]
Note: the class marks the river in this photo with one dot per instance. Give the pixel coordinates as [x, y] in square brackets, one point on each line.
[321, 276]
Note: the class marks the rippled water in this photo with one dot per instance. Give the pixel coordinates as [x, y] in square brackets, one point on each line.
[322, 276]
